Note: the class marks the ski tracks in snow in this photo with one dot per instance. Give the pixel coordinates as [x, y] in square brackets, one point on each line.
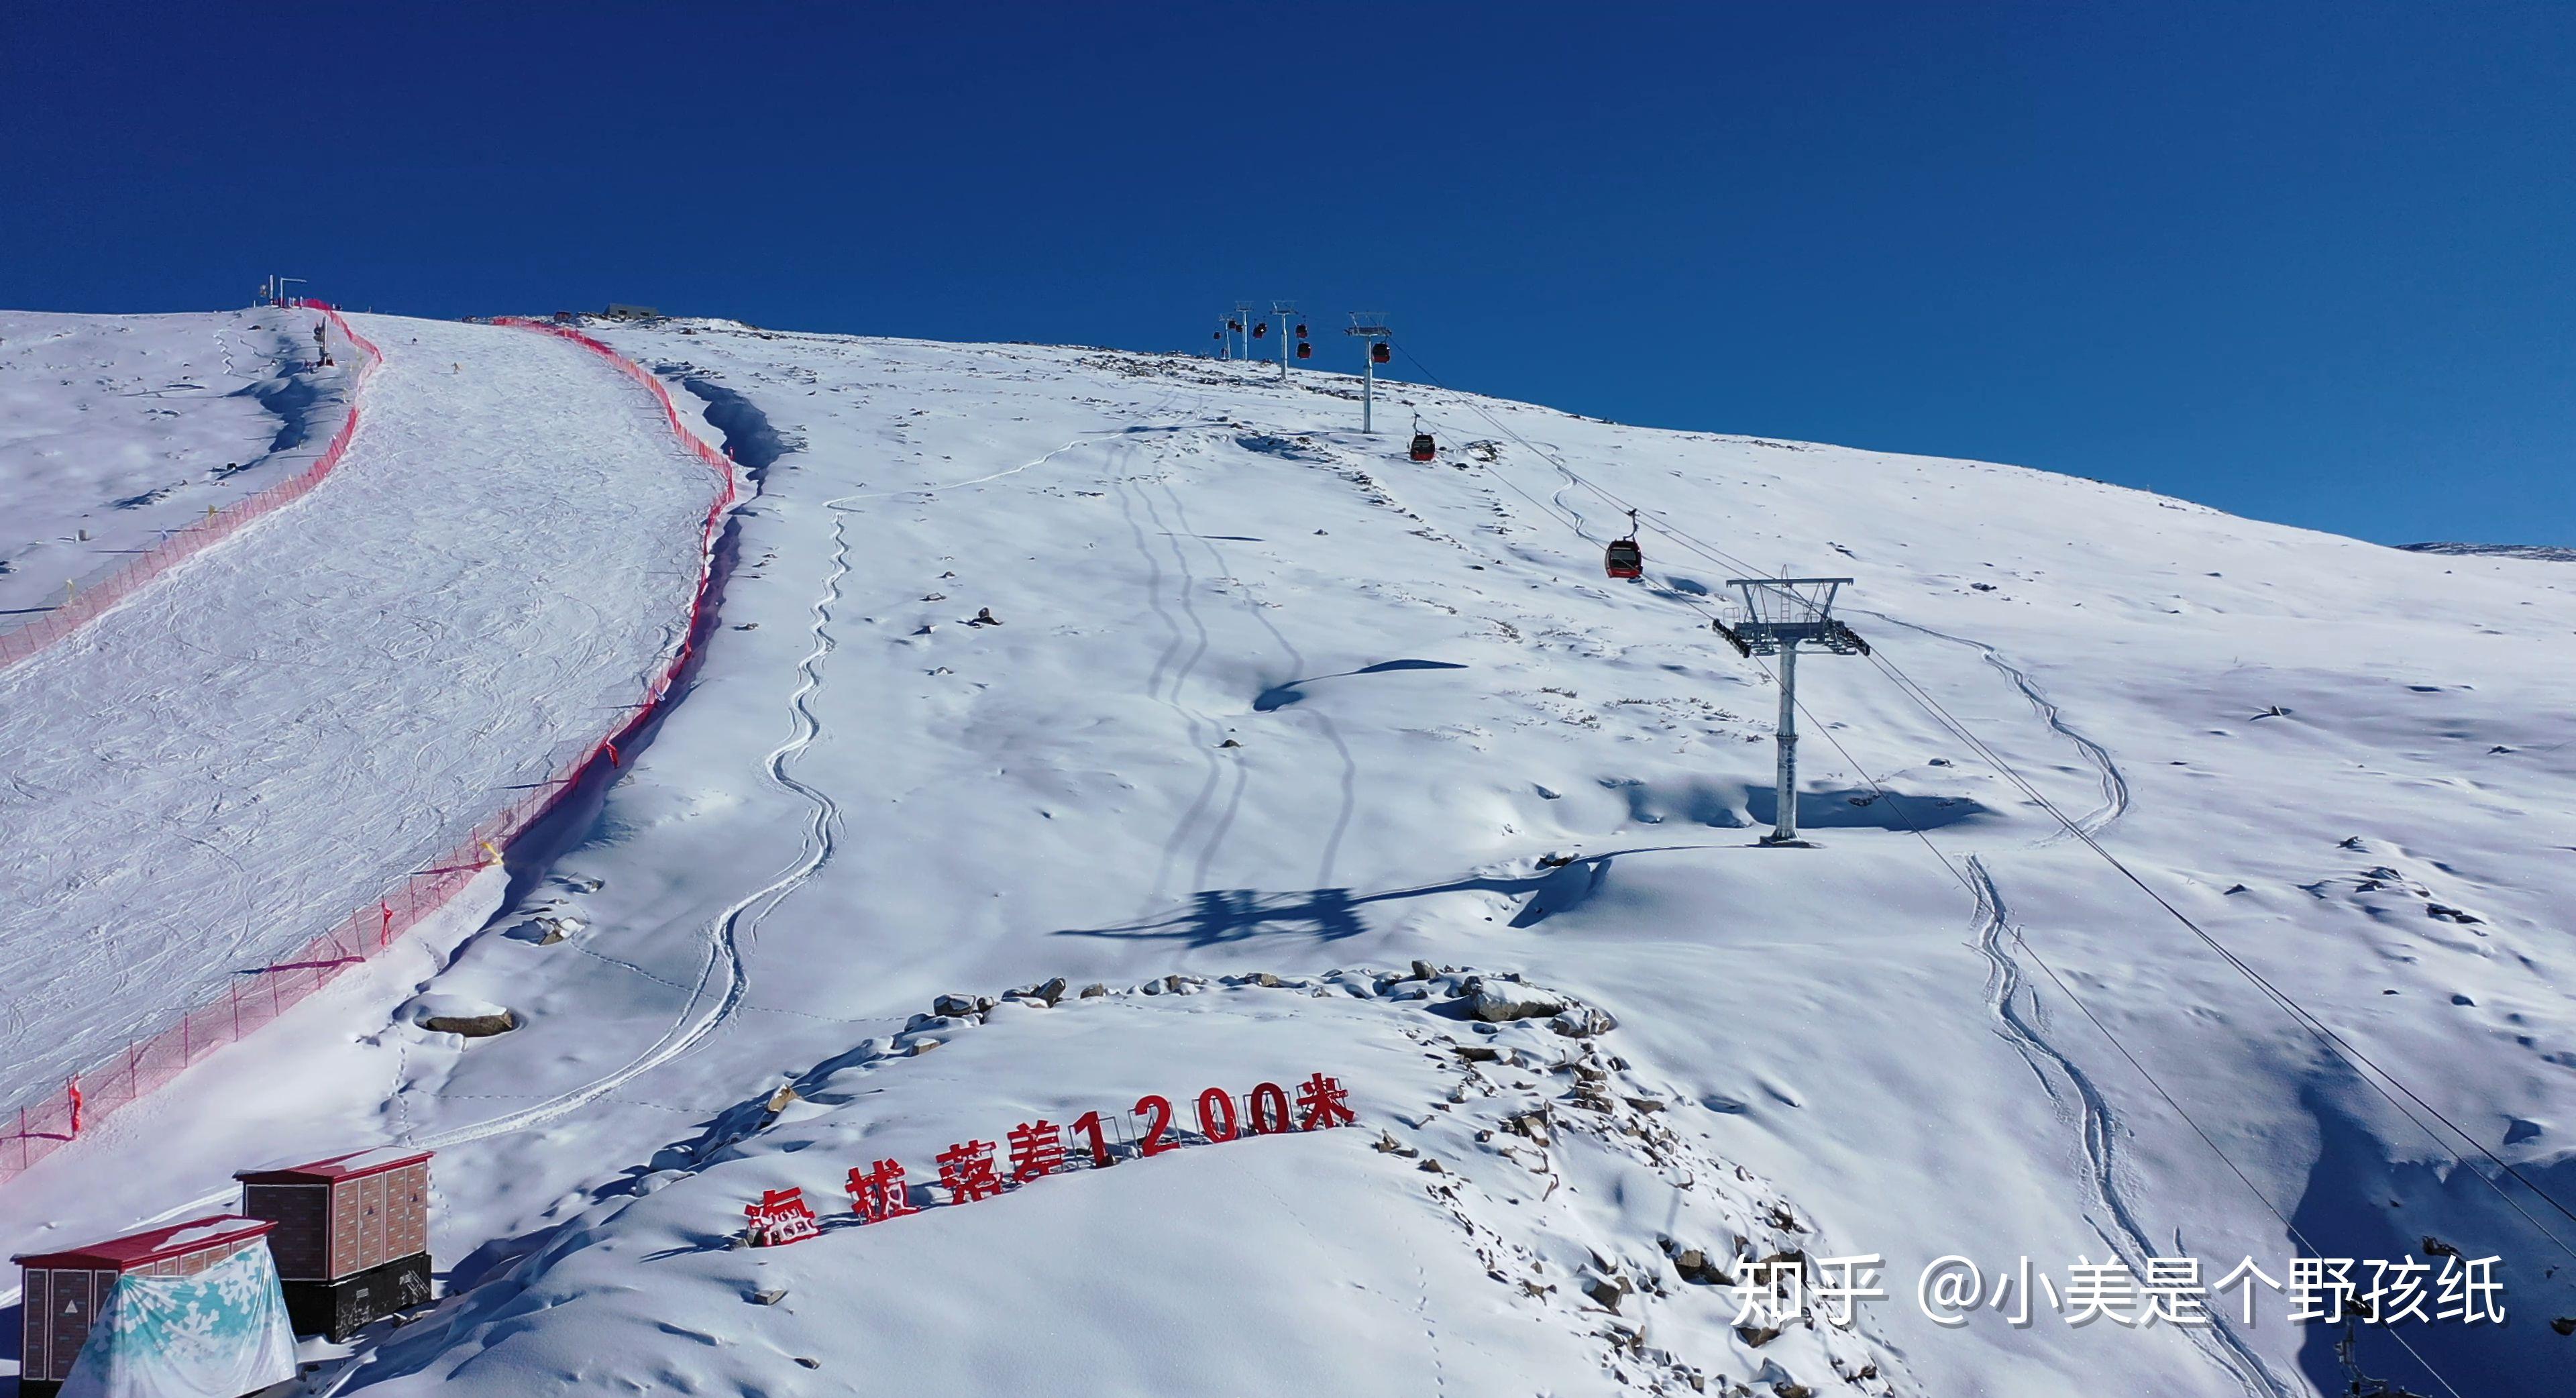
[2013, 1003]
[2115, 786]
[1173, 668]
[1189, 641]
[2020, 1020]
[724, 979]
[1296, 666]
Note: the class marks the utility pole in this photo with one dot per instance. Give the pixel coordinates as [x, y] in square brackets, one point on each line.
[1283, 312]
[1777, 615]
[1370, 326]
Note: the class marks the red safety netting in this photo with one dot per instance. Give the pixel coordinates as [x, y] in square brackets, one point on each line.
[185, 544]
[147, 1063]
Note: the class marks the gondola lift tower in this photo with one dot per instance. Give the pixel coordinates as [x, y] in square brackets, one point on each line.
[1283, 312]
[1776, 617]
[1370, 326]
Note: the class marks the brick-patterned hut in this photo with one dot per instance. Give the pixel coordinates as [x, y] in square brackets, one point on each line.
[64, 1290]
[352, 1239]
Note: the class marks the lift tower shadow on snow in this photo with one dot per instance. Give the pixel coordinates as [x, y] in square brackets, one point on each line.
[1777, 615]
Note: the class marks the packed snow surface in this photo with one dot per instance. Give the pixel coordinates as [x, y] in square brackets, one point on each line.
[206, 777]
[114, 429]
[1156, 674]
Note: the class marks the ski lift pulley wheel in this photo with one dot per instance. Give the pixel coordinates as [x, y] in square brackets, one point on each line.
[1424, 449]
[1379, 353]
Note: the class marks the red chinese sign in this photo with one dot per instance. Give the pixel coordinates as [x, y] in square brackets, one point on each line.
[781, 1216]
[969, 1171]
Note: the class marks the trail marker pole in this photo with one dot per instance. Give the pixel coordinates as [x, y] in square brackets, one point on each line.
[1776, 616]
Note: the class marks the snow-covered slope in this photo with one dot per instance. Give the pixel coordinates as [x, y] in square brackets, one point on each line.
[220, 769]
[114, 429]
[1262, 698]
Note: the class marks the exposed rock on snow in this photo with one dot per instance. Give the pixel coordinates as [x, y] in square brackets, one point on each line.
[546, 929]
[1500, 1001]
[1507, 1234]
[452, 1014]
[1582, 1022]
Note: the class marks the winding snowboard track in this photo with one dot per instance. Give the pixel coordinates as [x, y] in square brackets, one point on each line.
[724, 978]
[2119, 1228]
[2115, 786]
[2013, 1003]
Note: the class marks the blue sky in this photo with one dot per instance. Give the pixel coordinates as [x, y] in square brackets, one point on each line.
[2305, 262]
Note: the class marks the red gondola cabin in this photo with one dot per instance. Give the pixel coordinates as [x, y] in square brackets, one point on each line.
[64, 1290]
[1305, 350]
[1379, 353]
[352, 1238]
[1424, 449]
[1623, 559]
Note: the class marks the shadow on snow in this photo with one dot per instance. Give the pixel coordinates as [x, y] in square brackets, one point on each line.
[1217, 916]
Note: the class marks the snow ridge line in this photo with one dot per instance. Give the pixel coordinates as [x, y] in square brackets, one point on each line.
[43, 1127]
[187, 543]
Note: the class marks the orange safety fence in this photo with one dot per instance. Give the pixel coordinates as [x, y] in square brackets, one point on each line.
[184, 544]
[44, 1126]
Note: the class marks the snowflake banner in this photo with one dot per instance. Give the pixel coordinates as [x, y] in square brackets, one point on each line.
[222, 1331]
